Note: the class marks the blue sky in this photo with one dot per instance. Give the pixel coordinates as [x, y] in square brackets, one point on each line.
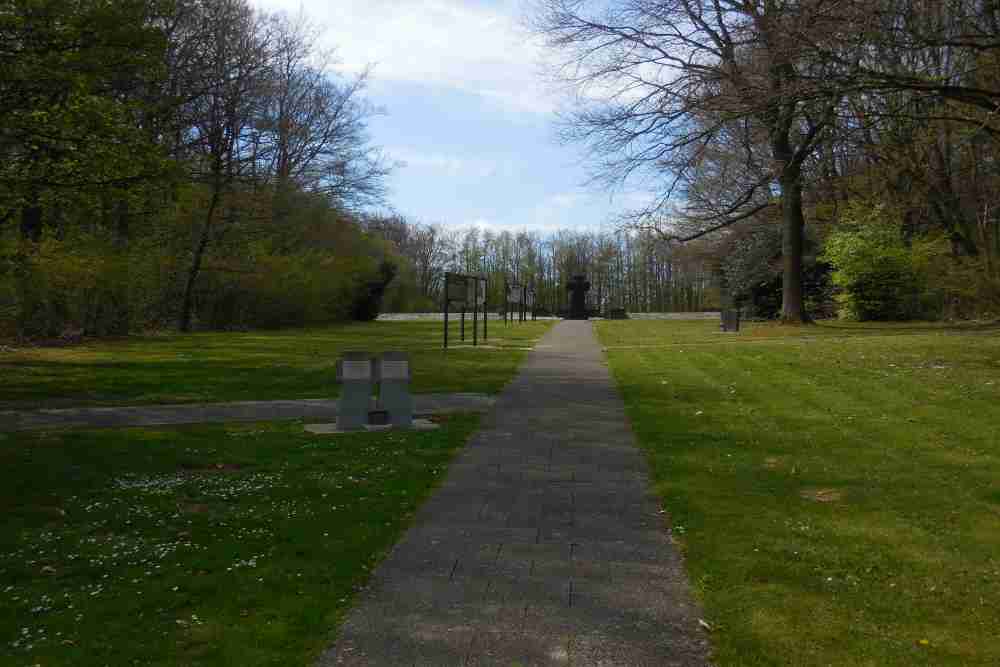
[467, 112]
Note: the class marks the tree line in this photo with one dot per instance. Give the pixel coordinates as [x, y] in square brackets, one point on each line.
[812, 143]
[632, 269]
[188, 163]
[200, 164]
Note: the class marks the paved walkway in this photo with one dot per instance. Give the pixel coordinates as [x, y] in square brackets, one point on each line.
[158, 415]
[544, 545]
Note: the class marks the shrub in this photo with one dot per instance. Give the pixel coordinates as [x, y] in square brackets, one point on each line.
[878, 275]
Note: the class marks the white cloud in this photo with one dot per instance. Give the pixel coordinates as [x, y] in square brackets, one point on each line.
[449, 164]
[447, 43]
[573, 210]
[554, 212]
[558, 211]
[454, 166]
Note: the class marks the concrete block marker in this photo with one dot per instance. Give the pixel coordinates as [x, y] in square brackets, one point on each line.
[730, 321]
[358, 410]
[355, 373]
[730, 314]
[393, 375]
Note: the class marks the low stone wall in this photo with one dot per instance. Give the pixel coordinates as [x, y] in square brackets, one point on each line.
[413, 317]
[708, 315]
[452, 315]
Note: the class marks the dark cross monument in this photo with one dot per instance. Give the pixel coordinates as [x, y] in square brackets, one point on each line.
[578, 287]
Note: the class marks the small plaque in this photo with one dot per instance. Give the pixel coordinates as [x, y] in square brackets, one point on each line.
[395, 370]
[355, 370]
[482, 293]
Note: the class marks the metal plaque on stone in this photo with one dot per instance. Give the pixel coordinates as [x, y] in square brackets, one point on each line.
[355, 370]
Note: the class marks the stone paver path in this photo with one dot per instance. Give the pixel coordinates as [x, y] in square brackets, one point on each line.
[158, 415]
[543, 546]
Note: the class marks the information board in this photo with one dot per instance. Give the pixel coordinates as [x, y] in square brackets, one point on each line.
[515, 294]
[470, 290]
[457, 288]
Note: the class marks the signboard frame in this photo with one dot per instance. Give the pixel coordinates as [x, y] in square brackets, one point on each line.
[465, 290]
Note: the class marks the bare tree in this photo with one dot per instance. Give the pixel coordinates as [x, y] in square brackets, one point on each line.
[430, 251]
[313, 124]
[236, 56]
[662, 83]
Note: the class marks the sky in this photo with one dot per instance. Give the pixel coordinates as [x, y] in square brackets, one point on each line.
[468, 115]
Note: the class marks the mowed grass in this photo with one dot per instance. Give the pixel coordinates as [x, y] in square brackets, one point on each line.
[287, 364]
[210, 545]
[836, 488]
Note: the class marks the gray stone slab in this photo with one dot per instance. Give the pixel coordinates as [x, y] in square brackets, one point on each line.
[241, 411]
[543, 546]
[334, 427]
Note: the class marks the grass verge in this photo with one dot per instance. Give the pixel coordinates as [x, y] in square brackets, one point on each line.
[287, 364]
[835, 488]
[208, 545]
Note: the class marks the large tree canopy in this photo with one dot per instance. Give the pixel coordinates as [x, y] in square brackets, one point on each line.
[735, 107]
[74, 93]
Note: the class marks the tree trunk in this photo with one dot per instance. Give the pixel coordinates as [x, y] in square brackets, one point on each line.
[199, 253]
[793, 233]
[31, 222]
[121, 304]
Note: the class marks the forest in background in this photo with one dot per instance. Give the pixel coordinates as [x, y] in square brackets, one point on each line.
[180, 163]
[635, 270]
[196, 164]
[853, 143]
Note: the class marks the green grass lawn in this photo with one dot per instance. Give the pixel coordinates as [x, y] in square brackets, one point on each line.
[836, 489]
[208, 545]
[294, 363]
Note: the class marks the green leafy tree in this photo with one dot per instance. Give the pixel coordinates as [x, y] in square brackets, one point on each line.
[74, 109]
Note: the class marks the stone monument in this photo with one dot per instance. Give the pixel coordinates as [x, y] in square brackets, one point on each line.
[394, 388]
[358, 410]
[354, 372]
[578, 287]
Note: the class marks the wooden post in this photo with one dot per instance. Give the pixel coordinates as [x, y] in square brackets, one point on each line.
[506, 300]
[446, 316]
